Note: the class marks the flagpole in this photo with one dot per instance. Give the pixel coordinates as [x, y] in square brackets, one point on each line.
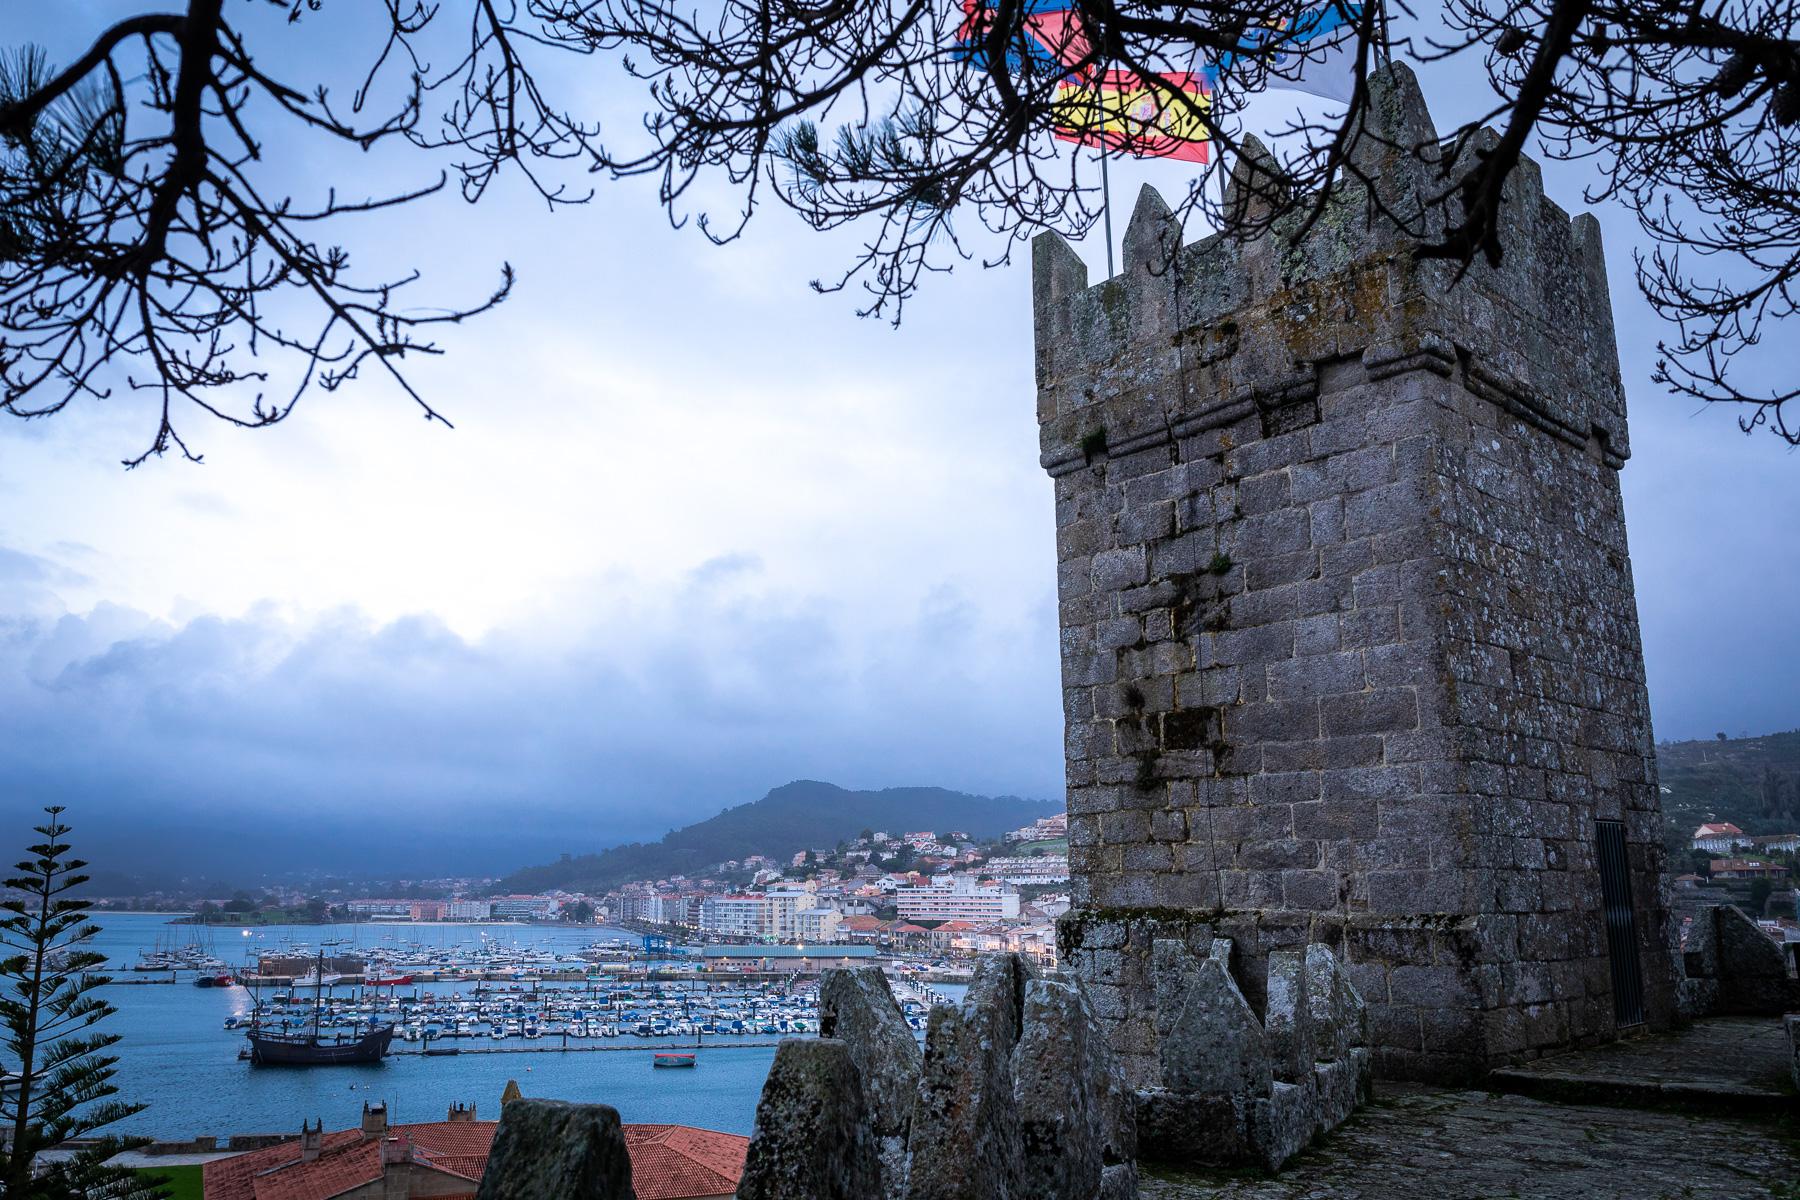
[1105, 183]
[1106, 208]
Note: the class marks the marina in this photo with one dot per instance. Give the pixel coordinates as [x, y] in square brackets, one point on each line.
[563, 1012]
[581, 1015]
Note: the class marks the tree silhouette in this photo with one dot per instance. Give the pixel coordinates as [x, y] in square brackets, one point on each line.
[141, 249]
[49, 1007]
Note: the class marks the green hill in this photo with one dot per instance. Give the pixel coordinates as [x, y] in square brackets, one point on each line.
[802, 815]
[1754, 783]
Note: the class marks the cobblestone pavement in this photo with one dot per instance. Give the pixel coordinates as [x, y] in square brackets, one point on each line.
[1430, 1144]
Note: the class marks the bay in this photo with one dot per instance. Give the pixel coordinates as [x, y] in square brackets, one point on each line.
[177, 1057]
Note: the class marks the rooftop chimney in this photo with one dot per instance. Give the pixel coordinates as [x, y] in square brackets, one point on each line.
[374, 1119]
[395, 1151]
[312, 1139]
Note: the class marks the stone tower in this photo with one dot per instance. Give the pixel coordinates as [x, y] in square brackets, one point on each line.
[1349, 642]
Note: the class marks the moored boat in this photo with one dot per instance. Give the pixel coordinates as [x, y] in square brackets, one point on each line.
[311, 1050]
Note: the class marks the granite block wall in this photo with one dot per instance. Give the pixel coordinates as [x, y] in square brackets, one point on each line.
[1349, 641]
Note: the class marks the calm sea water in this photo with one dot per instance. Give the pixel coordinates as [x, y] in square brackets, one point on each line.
[177, 1057]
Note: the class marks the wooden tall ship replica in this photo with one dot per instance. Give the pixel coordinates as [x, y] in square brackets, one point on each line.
[309, 1049]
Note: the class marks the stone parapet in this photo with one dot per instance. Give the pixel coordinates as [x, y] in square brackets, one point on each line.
[1016, 1094]
[1732, 968]
[1215, 1082]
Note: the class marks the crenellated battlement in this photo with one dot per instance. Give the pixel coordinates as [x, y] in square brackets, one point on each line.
[1250, 325]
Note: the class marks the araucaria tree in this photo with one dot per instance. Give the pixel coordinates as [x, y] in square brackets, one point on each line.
[143, 246]
[61, 1087]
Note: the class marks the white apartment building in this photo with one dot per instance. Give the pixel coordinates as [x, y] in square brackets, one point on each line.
[766, 916]
[1043, 868]
[381, 908]
[521, 908]
[468, 910]
[788, 904]
[1043, 829]
[665, 909]
[1719, 838]
[958, 898]
[745, 916]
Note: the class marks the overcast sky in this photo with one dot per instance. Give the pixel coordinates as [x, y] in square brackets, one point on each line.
[698, 532]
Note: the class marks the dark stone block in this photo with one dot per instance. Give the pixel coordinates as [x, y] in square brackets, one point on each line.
[967, 1140]
[1181, 1128]
[555, 1150]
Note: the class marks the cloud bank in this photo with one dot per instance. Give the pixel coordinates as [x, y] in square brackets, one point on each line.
[274, 741]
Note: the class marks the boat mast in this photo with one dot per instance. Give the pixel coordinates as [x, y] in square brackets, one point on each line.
[318, 990]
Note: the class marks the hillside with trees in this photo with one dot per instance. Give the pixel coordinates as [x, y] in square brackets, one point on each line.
[1754, 783]
[802, 815]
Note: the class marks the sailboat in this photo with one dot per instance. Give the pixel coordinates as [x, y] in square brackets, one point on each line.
[308, 1049]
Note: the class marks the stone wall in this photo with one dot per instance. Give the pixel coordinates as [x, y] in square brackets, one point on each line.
[1350, 646]
[1732, 968]
[1014, 1095]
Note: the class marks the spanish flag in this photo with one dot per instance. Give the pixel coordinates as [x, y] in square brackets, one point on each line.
[1050, 39]
[1122, 110]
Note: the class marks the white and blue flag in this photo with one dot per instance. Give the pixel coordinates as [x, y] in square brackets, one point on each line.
[1313, 52]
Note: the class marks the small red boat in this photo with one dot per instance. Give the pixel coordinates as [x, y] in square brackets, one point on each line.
[396, 981]
[672, 1060]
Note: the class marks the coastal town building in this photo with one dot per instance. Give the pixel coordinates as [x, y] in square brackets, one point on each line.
[634, 902]
[680, 908]
[817, 925]
[445, 1160]
[1721, 837]
[1747, 868]
[1030, 869]
[522, 908]
[508, 908]
[956, 898]
[401, 909]
[1044, 829]
[842, 895]
[744, 915]
[764, 916]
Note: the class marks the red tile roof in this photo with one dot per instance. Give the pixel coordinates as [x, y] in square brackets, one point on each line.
[1720, 866]
[675, 1162]
[238, 1178]
[668, 1162]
